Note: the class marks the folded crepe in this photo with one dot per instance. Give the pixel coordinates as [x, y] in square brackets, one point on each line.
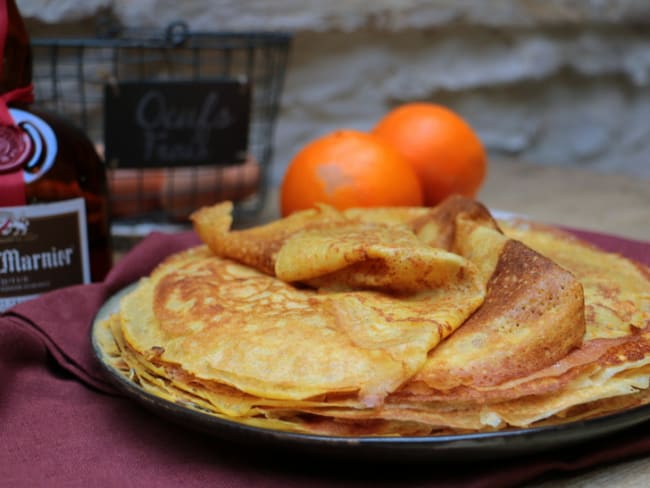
[394, 321]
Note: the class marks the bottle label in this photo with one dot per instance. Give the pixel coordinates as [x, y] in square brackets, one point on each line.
[42, 247]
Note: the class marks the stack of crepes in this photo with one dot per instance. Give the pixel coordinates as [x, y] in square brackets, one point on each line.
[392, 321]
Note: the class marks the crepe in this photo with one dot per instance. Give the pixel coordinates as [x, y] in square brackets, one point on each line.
[389, 321]
[227, 322]
[609, 371]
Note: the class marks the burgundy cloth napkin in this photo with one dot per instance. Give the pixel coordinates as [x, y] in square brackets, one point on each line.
[63, 424]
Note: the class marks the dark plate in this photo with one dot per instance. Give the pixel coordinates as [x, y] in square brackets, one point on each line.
[478, 446]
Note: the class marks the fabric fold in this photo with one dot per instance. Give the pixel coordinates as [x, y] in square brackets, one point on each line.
[62, 319]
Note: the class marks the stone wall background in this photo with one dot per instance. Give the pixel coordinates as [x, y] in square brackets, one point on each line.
[554, 82]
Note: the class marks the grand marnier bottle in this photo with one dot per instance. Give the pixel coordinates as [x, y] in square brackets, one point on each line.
[54, 227]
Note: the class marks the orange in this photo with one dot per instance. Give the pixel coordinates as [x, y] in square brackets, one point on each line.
[348, 168]
[444, 150]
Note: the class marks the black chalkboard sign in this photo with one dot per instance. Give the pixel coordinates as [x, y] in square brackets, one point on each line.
[171, 123]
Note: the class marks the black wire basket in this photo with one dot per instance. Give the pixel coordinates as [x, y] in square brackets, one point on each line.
[70, 76]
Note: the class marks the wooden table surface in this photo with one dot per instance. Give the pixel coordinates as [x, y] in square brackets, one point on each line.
[608, 203]
[611, 203]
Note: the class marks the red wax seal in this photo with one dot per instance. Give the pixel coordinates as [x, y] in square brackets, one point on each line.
[15, 148]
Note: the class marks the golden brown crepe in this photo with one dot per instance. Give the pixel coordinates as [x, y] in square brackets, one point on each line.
[379, 300]
[395, 321]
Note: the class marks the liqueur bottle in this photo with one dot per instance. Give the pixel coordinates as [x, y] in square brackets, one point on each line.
[54, 210]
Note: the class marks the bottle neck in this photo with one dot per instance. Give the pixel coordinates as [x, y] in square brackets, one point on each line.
[15, 71]
[15, 88]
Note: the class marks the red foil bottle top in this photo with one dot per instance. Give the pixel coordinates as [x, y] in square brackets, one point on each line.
[15, 144]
